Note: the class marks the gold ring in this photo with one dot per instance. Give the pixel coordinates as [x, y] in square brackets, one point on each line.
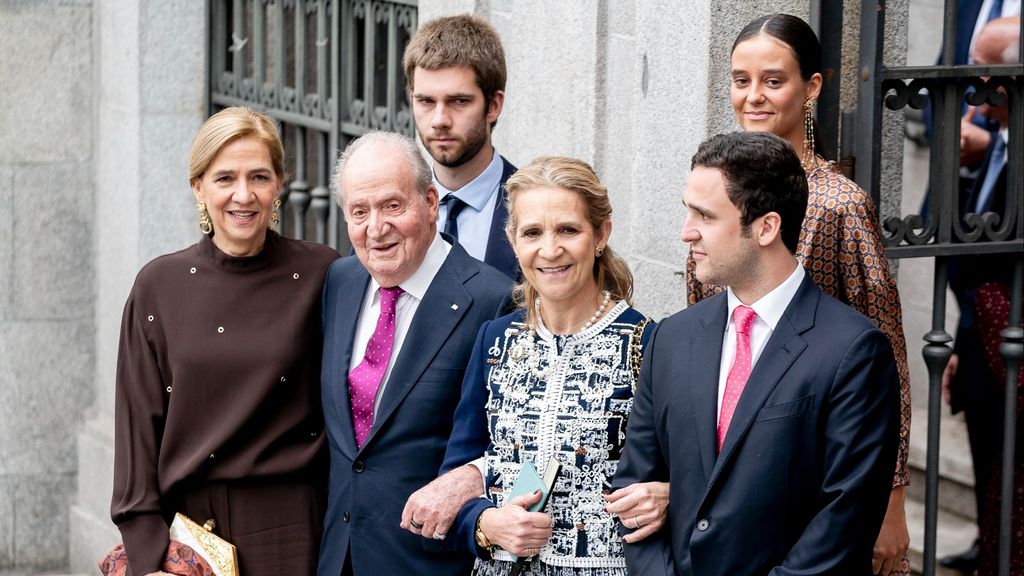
[636, 525]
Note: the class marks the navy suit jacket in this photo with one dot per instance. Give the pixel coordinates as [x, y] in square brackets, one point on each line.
[803, 479]
[404, 450]
[499, 252]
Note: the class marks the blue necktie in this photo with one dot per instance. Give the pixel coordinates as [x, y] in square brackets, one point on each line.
[996, 11]
[455, 206]
[996, 161]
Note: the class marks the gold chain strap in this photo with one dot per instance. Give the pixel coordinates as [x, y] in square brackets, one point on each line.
[636, 355]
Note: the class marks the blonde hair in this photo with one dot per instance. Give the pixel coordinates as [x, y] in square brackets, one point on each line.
[610, 271]
[227, 126]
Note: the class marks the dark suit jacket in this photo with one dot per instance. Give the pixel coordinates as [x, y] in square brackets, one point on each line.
[405, 447]
[973, 385]
[804, 476]
[499, 252]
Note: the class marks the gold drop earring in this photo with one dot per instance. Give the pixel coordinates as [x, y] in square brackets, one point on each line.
[204, 219]
[808, 160]
[275, 214]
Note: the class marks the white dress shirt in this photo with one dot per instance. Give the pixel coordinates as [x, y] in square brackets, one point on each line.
[480, 196]
[1010, 8]
[413, 290]
[769, 309]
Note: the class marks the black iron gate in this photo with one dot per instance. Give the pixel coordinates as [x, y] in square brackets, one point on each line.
[327, 71]
[942, 232]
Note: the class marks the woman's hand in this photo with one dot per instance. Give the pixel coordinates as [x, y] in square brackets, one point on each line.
[641, 507]
[894, 539]
[515, 529]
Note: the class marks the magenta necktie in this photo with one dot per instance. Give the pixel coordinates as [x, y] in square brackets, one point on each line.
[364, 379]
[742, 319]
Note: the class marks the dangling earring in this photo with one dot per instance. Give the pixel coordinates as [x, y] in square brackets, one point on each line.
[275, 215]
[808, 160]
[204, 219]
[599, 251]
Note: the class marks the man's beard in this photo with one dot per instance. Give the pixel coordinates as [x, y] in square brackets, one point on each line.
[475, 141]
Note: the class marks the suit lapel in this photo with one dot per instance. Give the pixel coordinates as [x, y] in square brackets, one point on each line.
[705, 346]
[444, 304]
[782, 349]
[346, 311]
[499, 252]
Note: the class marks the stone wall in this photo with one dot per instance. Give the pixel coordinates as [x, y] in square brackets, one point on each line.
[150, 71]
[47, 291]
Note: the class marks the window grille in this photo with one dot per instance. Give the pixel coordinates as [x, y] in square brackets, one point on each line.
[327, 71]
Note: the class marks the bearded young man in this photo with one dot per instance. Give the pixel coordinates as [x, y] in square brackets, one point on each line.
[455, 73]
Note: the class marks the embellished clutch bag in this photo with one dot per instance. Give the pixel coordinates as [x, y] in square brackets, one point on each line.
[221, 555]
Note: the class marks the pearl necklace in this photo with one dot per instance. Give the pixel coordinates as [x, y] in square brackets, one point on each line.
[534, 358]
[600, 311]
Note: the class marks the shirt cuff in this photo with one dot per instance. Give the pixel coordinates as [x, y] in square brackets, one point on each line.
[481, 465]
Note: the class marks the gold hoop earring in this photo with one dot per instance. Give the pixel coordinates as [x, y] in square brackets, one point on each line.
[599, 251]
[204, 219]
[275, 215]
[807, 160]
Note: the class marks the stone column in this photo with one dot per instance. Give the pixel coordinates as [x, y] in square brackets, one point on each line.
[151, 81]
[46, 272]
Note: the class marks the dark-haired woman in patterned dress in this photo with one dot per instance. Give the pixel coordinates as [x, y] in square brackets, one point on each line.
[776, 78]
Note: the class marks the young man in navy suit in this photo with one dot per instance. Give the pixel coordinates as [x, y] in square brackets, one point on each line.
[771, 409]
[400, 319]
[455, 73]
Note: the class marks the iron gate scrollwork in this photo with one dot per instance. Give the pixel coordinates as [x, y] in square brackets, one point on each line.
[328, 71]
[941, 231]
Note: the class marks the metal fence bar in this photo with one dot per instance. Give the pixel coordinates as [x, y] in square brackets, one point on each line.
[869, 97]
[942, 229]
[1012, 351]
[831, 24]
[338, 11]
[315, 50]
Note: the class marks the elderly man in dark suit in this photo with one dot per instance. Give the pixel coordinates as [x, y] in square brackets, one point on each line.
[771, 409]
[400, 318]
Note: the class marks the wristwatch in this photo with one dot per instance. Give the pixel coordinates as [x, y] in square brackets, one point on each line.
[482, 543]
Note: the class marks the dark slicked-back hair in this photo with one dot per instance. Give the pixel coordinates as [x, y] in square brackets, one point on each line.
[762, 174]
[455, 41]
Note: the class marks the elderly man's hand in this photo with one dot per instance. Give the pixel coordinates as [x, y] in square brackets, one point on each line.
[641, 507]
[974, 139]
[431, 510]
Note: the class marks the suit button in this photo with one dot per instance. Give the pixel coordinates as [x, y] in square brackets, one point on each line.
[358, 466]
[345, 517]
[703, 525]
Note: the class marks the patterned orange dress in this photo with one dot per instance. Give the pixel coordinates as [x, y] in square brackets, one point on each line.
[842, 250]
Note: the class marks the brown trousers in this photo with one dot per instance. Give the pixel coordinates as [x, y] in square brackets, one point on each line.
[275, 524]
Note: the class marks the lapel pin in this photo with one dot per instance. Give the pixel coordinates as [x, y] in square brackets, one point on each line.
[455, 306]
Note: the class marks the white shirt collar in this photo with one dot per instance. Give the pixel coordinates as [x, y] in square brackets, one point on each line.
[478, 190]
[417, 284]
[772, 305]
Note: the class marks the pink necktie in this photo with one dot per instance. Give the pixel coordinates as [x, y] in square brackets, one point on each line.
[364, 379]
[742, 319]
